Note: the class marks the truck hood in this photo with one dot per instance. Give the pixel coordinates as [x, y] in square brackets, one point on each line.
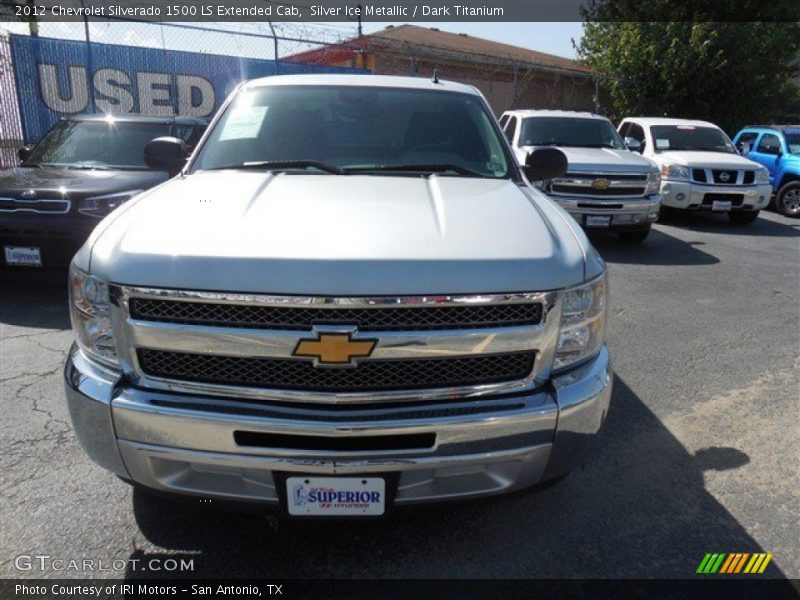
[605, 160]
[50, 180]
[339, 235]
[708, 160]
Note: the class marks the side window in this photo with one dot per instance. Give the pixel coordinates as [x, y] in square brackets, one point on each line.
[745, 142]
[510, 128]
[503, 120]
[623, 130]
[769, 144]
[189, 133]
[635, 131]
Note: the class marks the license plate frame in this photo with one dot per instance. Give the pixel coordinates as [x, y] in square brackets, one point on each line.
[11, 260]
[323, 496]
[598, 221]
[721, 205]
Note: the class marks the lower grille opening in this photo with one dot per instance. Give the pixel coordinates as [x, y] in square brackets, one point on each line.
[602, 206]
[254, 439]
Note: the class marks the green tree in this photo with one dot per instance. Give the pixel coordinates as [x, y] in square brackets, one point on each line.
[729, 73]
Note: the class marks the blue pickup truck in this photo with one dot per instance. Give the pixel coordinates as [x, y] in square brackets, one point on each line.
[777, 147]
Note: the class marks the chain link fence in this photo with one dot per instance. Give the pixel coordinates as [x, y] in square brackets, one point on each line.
[506, 80]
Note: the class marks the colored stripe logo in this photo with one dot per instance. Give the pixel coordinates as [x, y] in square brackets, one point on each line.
[735, 562]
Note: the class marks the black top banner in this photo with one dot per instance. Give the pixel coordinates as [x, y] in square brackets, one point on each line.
[399, 10]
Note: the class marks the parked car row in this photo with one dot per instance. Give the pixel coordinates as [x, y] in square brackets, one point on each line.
[620, 179]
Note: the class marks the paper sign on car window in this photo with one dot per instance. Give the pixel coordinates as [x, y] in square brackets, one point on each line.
[662, 144]
[244, 122]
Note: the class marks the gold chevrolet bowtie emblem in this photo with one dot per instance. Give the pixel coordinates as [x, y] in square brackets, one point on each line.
[335, 348]
[601, 184]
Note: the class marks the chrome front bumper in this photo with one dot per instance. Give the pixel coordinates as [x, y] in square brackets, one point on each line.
[623, 211]
[185, 444]
[688, 195]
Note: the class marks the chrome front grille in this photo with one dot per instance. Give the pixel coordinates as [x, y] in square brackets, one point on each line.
[39, 205]
[723, 176]
[299, 318]
[375, 375]
[245, 346]
[600, 185]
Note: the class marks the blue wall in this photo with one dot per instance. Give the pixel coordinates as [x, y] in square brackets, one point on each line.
[60, 77]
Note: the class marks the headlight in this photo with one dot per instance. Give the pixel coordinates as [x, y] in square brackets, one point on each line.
[674, 172]
[100, 206]
[762, 176]
[583, 323]
[89, 309]
[653, 183]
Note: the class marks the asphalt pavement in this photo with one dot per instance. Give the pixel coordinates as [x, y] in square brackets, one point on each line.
[699, 453]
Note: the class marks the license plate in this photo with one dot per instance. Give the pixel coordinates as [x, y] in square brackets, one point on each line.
[597, 221]
[721, 205]
[26, 256]
[336, 496]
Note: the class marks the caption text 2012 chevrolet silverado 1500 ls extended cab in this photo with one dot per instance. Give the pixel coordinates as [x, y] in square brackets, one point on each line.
[350, 298]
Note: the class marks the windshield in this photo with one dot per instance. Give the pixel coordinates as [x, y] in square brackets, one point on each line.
[793, 142]
[569, 131]
[689, 137]
[344, 129]
[96, 144]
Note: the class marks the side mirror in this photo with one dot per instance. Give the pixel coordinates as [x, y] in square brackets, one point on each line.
[633, 144]
[166, 154]
[24, 153]
[743, 148]
[545, 163]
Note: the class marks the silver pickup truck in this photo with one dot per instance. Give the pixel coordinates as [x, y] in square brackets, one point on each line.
[607, 186]
[348, 298]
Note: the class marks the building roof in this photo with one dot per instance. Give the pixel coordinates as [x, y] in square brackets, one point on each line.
[455, 45]
[461, 42]
[389, 81]
[650, 121]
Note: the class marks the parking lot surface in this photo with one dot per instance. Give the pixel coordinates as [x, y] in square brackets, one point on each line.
[699, 453]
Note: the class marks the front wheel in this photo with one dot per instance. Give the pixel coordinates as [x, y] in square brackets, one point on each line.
[635, 237]
[743, 217]
[787, 200]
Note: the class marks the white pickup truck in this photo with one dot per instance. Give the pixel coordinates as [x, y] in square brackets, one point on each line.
[606, 187]
[700, 168]
[349, 298]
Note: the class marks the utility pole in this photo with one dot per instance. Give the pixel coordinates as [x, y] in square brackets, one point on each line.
[33, 24]
[360, 9]
[89, 68]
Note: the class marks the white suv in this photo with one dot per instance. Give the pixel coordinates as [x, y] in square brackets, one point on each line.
[700, 169]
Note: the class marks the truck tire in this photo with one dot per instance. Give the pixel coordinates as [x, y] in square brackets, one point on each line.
[787, 200]
[634, 237]
[743, 217]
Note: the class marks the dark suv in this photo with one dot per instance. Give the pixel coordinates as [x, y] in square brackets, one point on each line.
[85, 167]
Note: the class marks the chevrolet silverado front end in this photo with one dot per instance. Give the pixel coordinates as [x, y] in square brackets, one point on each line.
[341, 322]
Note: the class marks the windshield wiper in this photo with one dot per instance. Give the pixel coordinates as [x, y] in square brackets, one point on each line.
[274, 165]
[423, 167]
